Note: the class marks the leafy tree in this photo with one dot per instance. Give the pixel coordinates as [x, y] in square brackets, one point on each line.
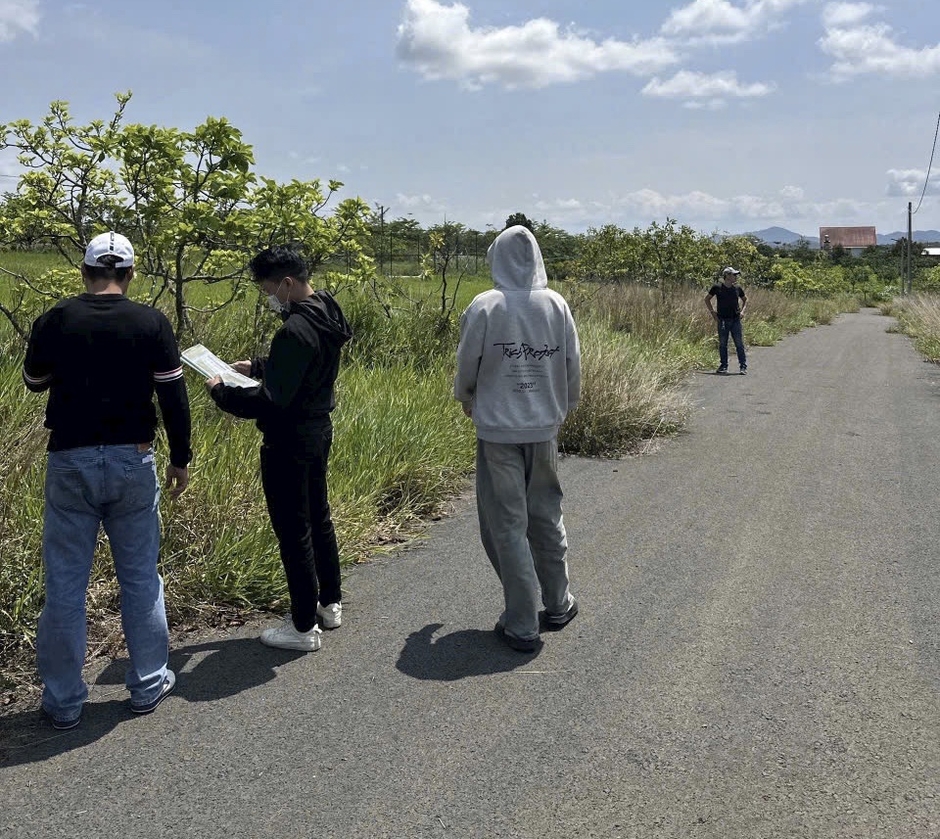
[839, 255]
[610, 254]
[677, 253]
[559, 249]
[188, 200]
[519, 218]
[790, 276]
[802, 252]
[443, 258]
[930, 279]
[745, 254]
[765, 249]
[404, 241]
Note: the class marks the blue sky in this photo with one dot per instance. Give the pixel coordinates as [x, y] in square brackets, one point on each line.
[728, 115]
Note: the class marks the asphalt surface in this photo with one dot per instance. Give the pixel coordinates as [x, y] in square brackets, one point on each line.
[757, 654]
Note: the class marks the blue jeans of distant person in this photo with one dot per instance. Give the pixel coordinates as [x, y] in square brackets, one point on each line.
[732, 327]
[522, 530]
[86, 488]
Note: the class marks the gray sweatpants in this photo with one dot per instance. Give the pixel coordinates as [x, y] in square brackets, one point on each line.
[521, 527]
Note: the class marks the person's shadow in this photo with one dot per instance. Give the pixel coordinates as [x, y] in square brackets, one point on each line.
[467, 652]
[223, 668]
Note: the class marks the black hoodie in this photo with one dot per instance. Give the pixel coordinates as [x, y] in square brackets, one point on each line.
[293, 402]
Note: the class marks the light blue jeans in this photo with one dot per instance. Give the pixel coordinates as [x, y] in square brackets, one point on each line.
[522, 530]
[732, 327]
[117, 487]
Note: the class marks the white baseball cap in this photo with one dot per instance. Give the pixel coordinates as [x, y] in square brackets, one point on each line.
[110, 250]
[730, 270]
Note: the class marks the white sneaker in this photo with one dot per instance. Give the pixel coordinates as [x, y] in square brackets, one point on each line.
[285, 637]
[331, 615]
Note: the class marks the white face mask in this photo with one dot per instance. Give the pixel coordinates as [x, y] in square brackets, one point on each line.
[273, 303]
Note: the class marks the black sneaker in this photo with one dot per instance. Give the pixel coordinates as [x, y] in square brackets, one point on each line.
[165, 690]
[552, 623]
[521, 645]
[721, 371]
[61, 724]
[744, 371]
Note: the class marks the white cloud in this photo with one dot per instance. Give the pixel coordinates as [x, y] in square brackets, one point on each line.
[705, 104]
[417, 203]
[304, 158]
[714, 88]
[720, 21]
[701, 210]
[859, 48]
[563, 204]
[563, 211]
[438, 41]
[17, 17]
[909, 183]
[704, 209]
[846, 14]
[841, 210]
[656, 205]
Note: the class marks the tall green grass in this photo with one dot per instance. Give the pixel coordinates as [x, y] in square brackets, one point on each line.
[399, 452]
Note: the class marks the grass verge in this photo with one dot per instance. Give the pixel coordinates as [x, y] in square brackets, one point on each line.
[919, 317]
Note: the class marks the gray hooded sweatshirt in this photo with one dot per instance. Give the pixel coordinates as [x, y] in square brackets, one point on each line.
[518, 361]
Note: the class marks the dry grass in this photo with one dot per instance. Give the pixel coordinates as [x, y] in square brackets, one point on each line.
[919, 317]
[629, 396]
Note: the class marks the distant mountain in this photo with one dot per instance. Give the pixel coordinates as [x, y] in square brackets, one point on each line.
[781, 236]
[922, 236]
[777, 236]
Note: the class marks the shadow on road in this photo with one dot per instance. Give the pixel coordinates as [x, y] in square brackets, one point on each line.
[467, 652]
[206, 672]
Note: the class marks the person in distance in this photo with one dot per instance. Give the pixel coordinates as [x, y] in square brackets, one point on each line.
[732, 301]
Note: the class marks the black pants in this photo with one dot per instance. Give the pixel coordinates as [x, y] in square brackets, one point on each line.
[296, 493]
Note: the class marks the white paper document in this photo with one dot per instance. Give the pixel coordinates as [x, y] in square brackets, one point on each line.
[204, 361]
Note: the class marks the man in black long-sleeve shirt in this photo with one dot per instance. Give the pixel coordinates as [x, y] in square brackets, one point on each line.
[102, 356]
[292, 408]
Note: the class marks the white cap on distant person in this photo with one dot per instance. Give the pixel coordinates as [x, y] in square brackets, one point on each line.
[110, 250]
[730, 270]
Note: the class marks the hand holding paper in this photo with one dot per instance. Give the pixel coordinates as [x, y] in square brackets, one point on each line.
[204, 361]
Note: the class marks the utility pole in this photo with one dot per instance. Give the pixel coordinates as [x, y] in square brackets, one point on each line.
[910, 245]
[381, 211]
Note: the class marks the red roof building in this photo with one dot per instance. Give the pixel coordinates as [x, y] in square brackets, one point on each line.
[850, 238]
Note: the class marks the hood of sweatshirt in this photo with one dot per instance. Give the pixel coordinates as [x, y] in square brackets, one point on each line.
[324, 313]
[515, 260]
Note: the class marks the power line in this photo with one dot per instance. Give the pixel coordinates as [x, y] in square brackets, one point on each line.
[929, 165]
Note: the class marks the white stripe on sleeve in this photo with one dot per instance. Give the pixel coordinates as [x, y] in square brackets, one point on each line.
[168, 376]
[34, 380]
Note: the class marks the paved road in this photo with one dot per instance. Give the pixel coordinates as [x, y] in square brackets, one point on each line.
[758, 654]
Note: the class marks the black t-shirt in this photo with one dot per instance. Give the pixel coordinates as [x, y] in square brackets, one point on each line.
[727, 299]
[102, 357]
